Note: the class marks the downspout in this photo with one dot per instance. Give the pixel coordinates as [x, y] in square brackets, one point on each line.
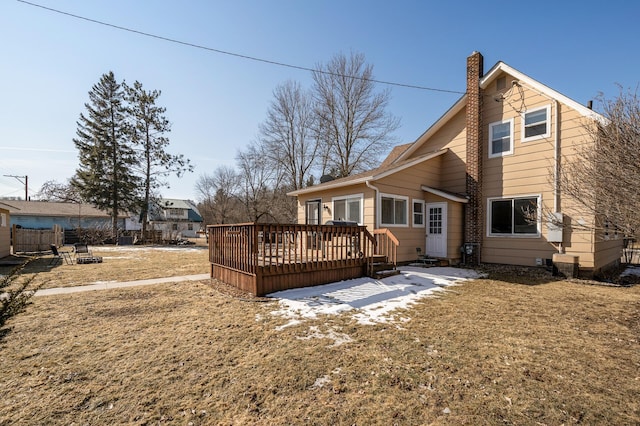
[556, 169]
[556, 158]
[376, 223]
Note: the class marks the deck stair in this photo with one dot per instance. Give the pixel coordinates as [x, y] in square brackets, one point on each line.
[428, 261]
[382, 268]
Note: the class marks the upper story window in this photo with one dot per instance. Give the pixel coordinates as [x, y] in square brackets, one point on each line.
[501, 138]
[514, 216]
[418, 213]
[394, 210]
[176, 212]
[535, 124]
[348, 208]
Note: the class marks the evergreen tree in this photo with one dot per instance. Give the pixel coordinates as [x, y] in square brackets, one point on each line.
[105, 176]
[15, 294]
[148, 126]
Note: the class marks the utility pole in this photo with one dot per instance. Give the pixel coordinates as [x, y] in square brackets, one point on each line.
[25, 183]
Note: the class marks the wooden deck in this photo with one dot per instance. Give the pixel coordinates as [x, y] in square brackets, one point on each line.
[265, 258]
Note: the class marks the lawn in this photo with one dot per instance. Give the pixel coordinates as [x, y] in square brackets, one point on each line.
[120, 263]
[485, 352]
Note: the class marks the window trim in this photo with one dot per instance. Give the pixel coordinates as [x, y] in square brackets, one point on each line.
[317, 201]
[511, 139]
[348, 197]
[547, 121]
[406, 209]
[422, 212]
[538, 233]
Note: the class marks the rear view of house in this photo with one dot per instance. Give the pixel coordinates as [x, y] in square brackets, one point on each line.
[482, 183]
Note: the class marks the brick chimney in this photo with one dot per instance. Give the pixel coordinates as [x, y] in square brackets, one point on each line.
[474, 223]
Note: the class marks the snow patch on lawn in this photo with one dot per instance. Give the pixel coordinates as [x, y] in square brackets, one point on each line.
[332, 334]
[371, 301]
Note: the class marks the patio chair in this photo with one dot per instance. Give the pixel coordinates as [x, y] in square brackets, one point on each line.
[84, 255]
[82, 250]
[60, 254]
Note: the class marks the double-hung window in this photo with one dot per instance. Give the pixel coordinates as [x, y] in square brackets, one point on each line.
[394, 210]
[535, 124]
[348, 208]
[418, 213]
[518, 216]
[501, 138]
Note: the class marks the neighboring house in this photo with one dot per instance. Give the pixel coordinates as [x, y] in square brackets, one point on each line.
[176, 219]
[5, 233]
[45, 214]
[480, 183]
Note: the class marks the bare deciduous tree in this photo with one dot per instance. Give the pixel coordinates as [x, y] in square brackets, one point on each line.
[219, 201]
[55, 191]
[287, 134]
[257, 178]
[352, 121]
[604, 176]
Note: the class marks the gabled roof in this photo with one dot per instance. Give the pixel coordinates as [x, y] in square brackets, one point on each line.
[485, 81]
[395, 153]
[53, 209]
[545, 90]
[372, 175]
[193, 215]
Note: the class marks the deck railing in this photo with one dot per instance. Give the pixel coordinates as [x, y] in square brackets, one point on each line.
[386, 245]
[245, 246]
[269, 257]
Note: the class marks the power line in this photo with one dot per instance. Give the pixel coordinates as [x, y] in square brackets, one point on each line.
[238, 55]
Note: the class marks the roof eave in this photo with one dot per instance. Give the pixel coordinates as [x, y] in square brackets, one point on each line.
[338, 184]
[446, 195]
[546, 90]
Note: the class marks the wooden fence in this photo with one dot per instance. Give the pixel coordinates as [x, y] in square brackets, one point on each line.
[264, 258]
[36, 240]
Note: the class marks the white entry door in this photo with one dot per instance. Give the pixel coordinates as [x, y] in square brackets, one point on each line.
[437, 229]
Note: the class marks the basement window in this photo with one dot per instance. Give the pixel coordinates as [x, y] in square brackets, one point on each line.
[501, 138]
[514, 216]
[535, 124]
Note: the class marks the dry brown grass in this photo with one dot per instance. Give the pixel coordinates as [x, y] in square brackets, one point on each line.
[124, 263]
[487, 352]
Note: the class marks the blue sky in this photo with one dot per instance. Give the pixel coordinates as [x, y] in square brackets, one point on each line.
[216, 102]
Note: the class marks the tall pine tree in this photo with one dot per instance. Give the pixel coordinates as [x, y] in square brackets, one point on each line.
[106, 174]
[148, 127]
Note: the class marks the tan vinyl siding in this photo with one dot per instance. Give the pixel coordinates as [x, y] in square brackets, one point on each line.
[408, 183]
[608, 253]
[455, 236]
[326, 198]
[454, 137]
[529, 171]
